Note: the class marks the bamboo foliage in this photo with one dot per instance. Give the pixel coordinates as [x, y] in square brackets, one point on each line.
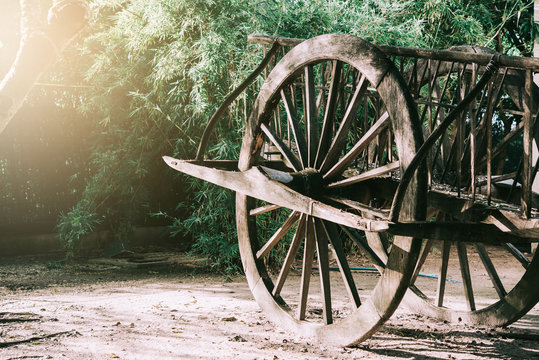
[40, 45]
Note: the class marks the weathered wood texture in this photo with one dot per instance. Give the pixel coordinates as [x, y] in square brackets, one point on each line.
[384, 80]
[444, 55]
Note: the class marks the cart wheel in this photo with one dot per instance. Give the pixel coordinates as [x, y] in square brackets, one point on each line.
[514, 296]
[337, 113]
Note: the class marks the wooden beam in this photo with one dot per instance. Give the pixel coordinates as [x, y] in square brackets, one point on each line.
[516, 62]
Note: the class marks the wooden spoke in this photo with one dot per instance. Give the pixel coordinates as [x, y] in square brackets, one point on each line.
[369, 252]
[347, 159]
[491, 270]
[335, 240]
[311, 122]
[379, 213]
[329, 113]
[341, 137]
[422, 257]
[283, 148]
[321, 105]
[263, 209]
[376, 172]
[442, 278]
[299, 236]
[299, 137]
[323, 268]
[308, 256]
[518, 255]
[466, 278]
[278, 235]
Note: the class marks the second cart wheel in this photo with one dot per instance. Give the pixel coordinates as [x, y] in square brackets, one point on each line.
[473, 285]
[337, 113]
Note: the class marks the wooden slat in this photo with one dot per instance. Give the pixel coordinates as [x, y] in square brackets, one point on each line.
[453, 231]
[323, 267]
[282, 147]
[278, 235]
[298, 238]
[466, 278]
[308, 256]
[263, 209]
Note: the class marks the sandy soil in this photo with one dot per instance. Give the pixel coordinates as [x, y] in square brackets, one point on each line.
[108, 310]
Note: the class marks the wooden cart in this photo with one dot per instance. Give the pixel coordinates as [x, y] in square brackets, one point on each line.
[403, 152]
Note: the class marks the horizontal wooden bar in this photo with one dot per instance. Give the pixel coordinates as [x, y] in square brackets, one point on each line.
[458, 231]
[515, 62]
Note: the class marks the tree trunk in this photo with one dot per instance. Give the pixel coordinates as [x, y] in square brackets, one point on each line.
[40, 45]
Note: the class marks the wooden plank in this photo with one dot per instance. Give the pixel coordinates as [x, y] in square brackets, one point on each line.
[347, 159]
[278, 235]
[323, 268]
[491, 270]
[298, 238]
[283, 148]
[466, 278]
[308, 256]
[454, 231]
[442, 278]
[256, 184]
[342, 262]
[376, 172]
[497, 178]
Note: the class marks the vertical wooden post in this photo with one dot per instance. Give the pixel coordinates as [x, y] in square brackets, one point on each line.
[527, 144]
[535, 34]
[535, 154]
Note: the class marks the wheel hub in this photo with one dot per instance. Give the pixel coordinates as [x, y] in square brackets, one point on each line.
[308, 182]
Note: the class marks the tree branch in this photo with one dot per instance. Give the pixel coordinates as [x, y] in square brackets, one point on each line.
[39, 48]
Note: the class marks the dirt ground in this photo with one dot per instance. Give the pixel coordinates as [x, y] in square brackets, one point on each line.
[107, 309]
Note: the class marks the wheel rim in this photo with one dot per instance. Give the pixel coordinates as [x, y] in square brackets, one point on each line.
[319, 147]
[515, 298]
